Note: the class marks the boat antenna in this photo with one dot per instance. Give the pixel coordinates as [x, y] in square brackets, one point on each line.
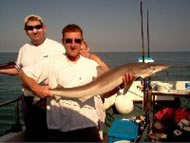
[148, 37]
[142, 33]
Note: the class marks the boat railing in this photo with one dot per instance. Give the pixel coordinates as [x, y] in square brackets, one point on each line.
[17, 126]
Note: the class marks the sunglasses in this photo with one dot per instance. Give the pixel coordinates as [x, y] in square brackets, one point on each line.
[36, 27]
[69, 41]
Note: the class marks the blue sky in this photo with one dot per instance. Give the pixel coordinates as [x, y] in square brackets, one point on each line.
[108, 25]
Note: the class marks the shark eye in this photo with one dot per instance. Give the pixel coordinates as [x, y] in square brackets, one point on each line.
[153, 68]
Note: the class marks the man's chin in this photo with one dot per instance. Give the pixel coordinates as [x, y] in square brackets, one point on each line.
[73, 56]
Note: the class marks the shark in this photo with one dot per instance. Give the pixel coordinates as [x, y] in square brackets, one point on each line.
[110, 80]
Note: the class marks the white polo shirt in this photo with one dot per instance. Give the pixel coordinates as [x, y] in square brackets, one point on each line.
[30, 54]
[66, 114]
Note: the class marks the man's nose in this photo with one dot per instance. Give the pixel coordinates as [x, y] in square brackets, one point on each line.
[73, 43]
[34, 30]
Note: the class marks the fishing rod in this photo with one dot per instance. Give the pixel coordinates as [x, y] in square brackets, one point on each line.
[149, 58]
[147, 101]
[144, 59]
[142, 32]
[148, 37]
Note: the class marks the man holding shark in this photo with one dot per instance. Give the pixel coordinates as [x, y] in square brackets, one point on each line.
[67, 117]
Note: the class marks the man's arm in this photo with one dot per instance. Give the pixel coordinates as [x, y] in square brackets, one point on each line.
[99, 61]
[9, 71]
[101, 70]
[9, 68]
[31, 84]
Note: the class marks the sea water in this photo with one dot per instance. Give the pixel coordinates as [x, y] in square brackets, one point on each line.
[10, 86]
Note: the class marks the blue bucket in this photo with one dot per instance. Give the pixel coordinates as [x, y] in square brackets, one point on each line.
[123, 130]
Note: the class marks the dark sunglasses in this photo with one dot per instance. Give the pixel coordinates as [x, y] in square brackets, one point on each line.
[32, 27]
[69, 41]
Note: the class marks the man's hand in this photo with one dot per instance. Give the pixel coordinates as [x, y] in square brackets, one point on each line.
[32, 85]
[43, 91]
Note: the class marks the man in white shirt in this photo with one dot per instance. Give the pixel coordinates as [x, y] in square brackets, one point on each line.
[29, 54]
[70, 120]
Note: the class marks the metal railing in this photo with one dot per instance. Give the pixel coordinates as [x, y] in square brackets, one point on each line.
[17, 126]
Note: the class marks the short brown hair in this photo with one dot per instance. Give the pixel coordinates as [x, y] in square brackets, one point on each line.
[72, 28]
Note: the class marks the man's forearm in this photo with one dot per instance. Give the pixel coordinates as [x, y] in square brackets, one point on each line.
[8, 68]
[9, 71]
[31, 84]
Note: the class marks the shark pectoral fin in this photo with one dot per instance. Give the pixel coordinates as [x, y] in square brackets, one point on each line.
[142, 77]
[138, 78]
[127, 88]
[84, 99]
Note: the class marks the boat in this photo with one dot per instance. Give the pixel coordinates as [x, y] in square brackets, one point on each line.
[151, 95]
[146, 60]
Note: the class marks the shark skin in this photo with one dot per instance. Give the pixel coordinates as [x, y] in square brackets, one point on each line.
[110, 80]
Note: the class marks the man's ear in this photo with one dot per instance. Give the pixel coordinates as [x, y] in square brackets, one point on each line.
[62, 41]
[25, 31]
